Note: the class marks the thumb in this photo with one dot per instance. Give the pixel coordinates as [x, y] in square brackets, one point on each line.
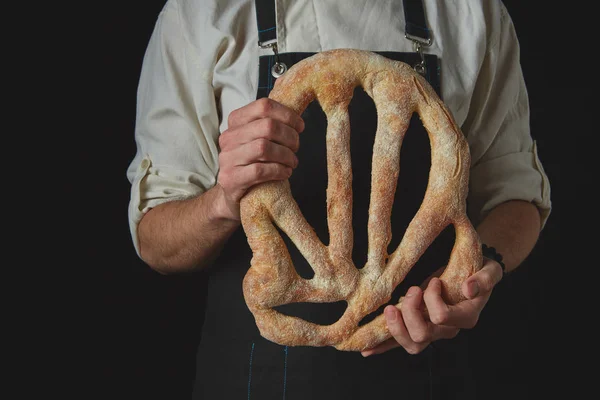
[482, 281]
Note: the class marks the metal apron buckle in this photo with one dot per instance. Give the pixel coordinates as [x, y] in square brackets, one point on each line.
[278, 68]
[418, 44]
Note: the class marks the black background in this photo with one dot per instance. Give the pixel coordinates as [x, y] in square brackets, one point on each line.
[147, 325]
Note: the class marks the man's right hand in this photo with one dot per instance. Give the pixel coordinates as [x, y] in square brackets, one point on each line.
[258, 146]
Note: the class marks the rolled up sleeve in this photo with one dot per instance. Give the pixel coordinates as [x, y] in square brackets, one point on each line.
[176, 129]
[505, 164]
[514, 176]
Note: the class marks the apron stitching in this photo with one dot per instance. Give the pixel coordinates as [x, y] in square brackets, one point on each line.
[285, 350]
[429, 361]
[250, 370]
[269, 76]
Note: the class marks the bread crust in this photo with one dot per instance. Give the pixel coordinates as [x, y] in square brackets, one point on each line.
[330, 78]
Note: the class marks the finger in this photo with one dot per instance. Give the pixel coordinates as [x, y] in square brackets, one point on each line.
[412, 313]
[397, 327]
[261, 150]
[463, 315]
[264, 108]
[266, 128]
[400, 335]
[381, 348]
[444, 332]
[253, 174]
[436, 274]
[484, 280]
[439, 312]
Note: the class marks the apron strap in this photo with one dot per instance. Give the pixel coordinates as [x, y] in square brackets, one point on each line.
[265, 20]
[414, 16]
[415, 22]
[415, 30]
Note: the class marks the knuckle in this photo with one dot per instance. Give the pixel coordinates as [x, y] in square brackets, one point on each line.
[261, 147]
[258, 170]
[224, 179]
[439, 317]
[265, 105]
[232, 118]
[421, 337]
[223, 139]
[269, 127]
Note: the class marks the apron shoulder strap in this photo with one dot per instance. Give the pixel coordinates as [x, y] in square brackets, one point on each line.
[414, 16]
[415, 21]
[265, 21]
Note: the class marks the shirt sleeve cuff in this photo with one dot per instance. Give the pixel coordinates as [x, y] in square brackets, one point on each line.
[152, 186]
[515, 176]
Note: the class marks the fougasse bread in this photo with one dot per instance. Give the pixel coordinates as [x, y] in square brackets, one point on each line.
[330, 78]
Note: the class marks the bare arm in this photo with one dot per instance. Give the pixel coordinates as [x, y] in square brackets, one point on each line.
[184, 235]
[513, 229]
[259, 145]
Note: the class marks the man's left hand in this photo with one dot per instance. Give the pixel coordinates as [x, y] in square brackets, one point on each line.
[414, 330]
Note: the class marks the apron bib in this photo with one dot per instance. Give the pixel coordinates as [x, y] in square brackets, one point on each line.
[233, 360]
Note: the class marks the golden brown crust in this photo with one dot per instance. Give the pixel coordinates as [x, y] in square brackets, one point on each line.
[398, 91]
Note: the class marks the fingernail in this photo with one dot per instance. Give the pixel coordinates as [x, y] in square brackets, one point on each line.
[391, 314]
[411, 292]
[365, 353]
[473, 288]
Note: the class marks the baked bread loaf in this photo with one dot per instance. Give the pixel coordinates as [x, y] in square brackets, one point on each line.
[330, 78]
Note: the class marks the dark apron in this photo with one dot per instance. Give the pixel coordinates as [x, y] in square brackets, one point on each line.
[234, 361]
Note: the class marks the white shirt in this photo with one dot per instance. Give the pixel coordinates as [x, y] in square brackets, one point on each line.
[201, 63]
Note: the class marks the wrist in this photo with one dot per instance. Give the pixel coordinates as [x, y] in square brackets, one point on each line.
[222, 208]
[492, 254]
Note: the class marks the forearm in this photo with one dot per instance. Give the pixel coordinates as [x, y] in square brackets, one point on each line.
[185, 235]
[513, 229]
